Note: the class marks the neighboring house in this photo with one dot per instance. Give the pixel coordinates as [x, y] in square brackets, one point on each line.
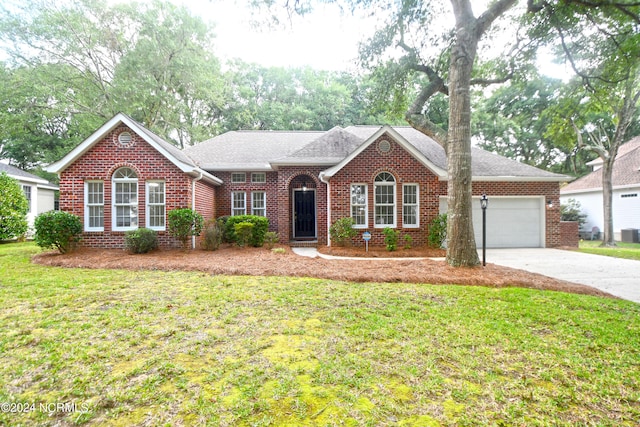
[40, 193]
[301, 180]
[626, 191]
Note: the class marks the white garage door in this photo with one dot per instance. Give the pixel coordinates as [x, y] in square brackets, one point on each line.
[512, 222]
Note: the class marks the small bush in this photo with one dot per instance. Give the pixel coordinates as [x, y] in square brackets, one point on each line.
[391, 238]
[213, 234]
[270, 239]
[342, 231]
[243, 231]
[572, 211]
[279, 251]
[57, 229]
[140, 241]
[260, 228]
[13, 208]
[408, 241]
[184, 223]
[438, 231]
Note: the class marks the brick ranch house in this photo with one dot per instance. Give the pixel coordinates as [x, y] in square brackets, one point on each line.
[124, 176]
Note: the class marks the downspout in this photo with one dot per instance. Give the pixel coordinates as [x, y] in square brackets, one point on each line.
[193, 203]
[324, 179]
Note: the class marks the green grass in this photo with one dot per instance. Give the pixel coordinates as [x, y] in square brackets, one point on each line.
[158, 348]
[623, 250]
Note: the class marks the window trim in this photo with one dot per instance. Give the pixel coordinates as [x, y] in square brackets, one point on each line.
[114, 205]
[87, 215]
[148, 204]
[417, 205]
[264, 177]
[27, 190]
[376, 185]
[237, 174]
[366, 204]
[253, 208]
[233, 202]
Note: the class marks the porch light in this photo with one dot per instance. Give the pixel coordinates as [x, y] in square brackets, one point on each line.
[549, 204]
[304, 186]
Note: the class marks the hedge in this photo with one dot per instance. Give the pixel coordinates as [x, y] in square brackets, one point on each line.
[260, 228]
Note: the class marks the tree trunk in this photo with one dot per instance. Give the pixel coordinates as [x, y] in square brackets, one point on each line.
[607, 199]
[461, 249]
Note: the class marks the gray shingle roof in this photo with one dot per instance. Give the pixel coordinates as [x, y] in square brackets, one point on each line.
[626, 171]
[259, 150]
[25, 176]
[248, 150]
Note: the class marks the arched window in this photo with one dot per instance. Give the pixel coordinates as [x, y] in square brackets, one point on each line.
[125, 199]
[384, 187]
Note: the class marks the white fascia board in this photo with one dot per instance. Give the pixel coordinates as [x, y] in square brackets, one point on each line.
[599, 189]
[440, 173]
[95, 137]
[26, 179]
[236, 168]
[206, 176]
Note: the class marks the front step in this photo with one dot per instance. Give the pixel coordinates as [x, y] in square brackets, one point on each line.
[303, 243]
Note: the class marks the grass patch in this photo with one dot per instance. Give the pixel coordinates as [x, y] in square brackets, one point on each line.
[623, 250]
[158, 348]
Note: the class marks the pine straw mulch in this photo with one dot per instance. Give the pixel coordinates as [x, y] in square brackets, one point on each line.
[262, 262]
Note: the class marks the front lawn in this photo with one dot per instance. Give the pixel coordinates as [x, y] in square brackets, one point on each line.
[189, 348]
[623, 250]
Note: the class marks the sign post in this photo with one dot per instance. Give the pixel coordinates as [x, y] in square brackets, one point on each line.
[366, 236]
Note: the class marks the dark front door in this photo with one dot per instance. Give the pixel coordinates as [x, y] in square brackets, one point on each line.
[304, 214]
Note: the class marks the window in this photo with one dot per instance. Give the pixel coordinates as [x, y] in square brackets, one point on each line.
[238, 203]
[125, 199]
[624, 196]
[259, 203]
[94, 206]
[238, 177]
[410, 206]
[155, 205]
[359, 205]
[385, 200]
[26, 189]
[258, 177]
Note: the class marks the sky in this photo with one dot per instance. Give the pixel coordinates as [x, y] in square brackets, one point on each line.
[326, 39]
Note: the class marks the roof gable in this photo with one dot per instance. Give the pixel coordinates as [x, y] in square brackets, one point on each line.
[626, 171]
[400, 140]
[173, 154]
[327, 150]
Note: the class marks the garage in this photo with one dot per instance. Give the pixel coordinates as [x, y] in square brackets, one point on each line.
[512, 222]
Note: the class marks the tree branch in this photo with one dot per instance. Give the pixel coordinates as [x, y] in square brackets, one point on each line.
[418, 120]
[491, 14]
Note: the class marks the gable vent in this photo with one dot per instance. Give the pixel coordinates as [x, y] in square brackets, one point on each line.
[124, 138]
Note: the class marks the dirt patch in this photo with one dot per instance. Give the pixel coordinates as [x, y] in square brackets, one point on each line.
[263, 262]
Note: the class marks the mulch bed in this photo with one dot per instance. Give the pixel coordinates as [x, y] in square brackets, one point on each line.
[262, 262]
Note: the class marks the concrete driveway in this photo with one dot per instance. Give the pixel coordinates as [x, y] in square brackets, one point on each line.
[620, 277]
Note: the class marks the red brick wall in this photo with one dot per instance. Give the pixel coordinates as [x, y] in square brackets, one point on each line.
[569, 234]
[223, 195]
[407, 170]
[101, 161]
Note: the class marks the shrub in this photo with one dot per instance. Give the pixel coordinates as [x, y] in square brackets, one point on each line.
[571, 211]
[213, 234]
[184, 223]
[270, 238]
[243, 231]
[57, 229]
[260, 228]
[342, 231]
[438, 231]
[408, 241]
[391, 238]
[140, 241]
[13, 208]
